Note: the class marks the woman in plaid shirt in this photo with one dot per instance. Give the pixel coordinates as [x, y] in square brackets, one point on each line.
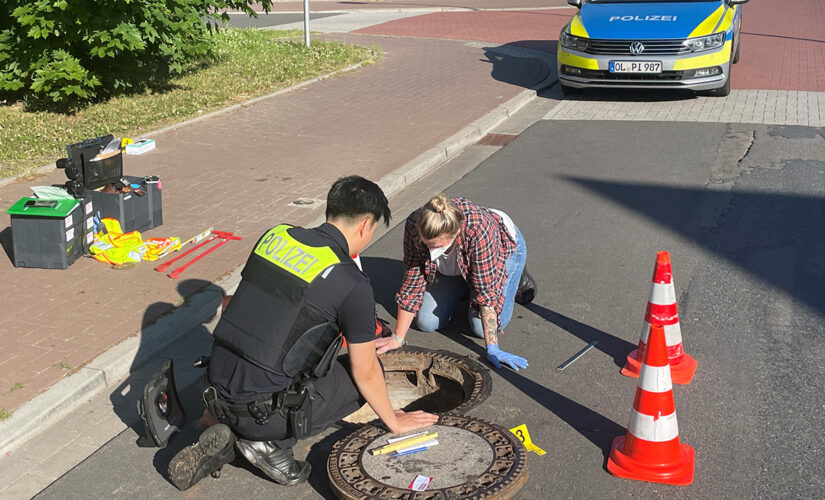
[452, 247]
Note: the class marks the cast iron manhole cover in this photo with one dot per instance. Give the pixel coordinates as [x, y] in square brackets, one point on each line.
[433, 381]
[474, 459]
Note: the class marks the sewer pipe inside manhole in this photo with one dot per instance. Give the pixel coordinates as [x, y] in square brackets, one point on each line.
[433, 381]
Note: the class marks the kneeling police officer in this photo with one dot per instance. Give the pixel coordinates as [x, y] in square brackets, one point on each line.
[274, 375]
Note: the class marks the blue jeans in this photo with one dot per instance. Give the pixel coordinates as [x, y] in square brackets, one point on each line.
[443, 296]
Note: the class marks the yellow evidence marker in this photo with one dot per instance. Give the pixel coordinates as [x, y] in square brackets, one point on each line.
[524, 436]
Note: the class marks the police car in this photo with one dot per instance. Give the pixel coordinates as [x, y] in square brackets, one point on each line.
[687, 44]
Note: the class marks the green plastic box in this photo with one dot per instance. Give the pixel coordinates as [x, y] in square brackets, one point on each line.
[46, 233]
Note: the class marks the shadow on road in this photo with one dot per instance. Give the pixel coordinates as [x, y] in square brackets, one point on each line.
[317, 458]
[7, 244]
[514, 65]
[615, 347]
[598, 429]
[385, 275]
[157, 323]
[776, 238]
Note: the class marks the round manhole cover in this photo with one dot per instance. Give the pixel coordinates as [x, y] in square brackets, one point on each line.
[474, 459]
[433, 381]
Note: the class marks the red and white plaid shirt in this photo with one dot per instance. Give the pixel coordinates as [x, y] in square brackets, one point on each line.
[483, 244]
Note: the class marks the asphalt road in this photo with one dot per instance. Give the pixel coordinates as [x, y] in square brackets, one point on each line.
[739, 207]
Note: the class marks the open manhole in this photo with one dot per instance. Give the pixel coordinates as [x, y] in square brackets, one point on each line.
[474, 459]
[433, 381]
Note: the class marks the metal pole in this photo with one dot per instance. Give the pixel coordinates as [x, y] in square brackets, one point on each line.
[577, 356]
[306, 23]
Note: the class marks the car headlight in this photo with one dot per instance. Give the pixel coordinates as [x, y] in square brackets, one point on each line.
[705, 42]
[573, 42]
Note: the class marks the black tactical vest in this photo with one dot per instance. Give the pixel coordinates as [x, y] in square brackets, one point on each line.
[279, 329]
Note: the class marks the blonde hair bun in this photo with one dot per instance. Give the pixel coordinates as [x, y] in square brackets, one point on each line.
[439, 216]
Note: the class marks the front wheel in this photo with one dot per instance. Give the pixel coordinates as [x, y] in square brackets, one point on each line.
[736, 54]
[724, 90]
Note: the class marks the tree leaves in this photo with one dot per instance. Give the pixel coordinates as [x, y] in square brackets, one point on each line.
[70, 52]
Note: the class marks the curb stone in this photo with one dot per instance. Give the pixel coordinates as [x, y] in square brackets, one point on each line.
[107, 369]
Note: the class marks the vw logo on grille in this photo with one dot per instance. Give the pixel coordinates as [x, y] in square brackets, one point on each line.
[636, 48]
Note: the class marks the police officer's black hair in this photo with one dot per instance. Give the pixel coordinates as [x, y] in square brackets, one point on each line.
[354, 196]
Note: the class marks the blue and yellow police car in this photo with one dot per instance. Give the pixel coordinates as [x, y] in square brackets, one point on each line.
[687, 44]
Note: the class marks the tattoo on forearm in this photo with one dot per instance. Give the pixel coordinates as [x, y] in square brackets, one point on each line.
[489, 322]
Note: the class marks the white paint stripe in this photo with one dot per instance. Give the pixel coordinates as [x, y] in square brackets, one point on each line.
[660, 430]
[345, 23]
[736, 108]
[662, 294]
[655, 378]
[673, 333]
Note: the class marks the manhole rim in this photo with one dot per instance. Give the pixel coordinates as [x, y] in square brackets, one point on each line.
[483, 386]
[505, 491]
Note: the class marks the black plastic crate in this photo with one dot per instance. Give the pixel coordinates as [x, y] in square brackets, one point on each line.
[46, 233]
[133, 211]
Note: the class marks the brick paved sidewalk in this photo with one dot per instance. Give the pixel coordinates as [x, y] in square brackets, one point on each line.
[239, 172]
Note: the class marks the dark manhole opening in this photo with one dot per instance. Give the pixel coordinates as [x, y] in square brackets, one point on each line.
[433, 381]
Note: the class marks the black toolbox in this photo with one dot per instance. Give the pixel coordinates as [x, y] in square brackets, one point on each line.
[91, 164]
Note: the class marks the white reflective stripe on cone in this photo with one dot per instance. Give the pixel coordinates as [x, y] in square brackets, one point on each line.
[673, 334]
[655, 378]
[659, 430]
[662, 294]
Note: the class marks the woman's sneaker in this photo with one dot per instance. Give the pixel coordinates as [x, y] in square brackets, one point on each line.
[214, 449]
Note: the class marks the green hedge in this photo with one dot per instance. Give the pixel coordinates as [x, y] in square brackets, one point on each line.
[68, 51]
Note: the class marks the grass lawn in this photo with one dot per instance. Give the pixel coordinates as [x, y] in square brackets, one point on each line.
[249, 63]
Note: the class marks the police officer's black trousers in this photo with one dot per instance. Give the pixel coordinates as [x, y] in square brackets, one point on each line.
[335, 397]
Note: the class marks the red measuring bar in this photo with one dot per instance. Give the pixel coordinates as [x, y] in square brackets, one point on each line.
[224, 236]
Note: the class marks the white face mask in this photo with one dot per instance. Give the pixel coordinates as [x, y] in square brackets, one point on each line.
[435, 253]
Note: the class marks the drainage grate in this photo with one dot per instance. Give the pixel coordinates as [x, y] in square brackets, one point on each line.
[305, 203]
[496, 139]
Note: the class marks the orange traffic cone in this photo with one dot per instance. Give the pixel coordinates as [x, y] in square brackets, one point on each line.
[650, 451]
[661, 309]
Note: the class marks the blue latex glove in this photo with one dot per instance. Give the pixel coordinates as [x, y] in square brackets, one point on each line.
[496, 356]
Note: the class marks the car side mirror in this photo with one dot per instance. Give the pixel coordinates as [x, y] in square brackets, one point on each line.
[578, 3]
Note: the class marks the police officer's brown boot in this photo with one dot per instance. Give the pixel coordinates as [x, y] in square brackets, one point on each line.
[214, 449]
[526, 288]
[277, 463]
